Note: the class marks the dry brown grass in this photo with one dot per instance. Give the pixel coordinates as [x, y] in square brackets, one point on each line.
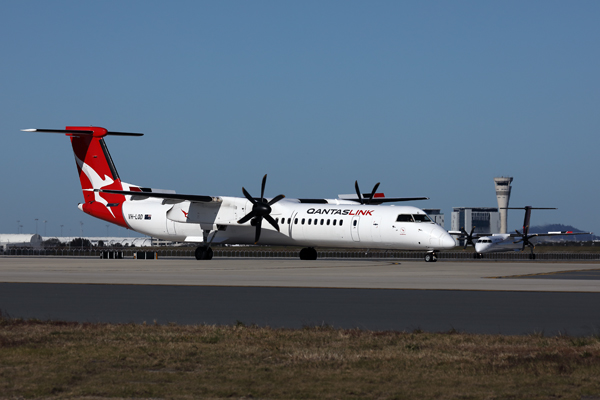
[72, 360]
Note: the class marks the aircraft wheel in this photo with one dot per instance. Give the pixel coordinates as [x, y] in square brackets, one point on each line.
[203, 253]
[303, 254]
[308, 253]
[429, 257]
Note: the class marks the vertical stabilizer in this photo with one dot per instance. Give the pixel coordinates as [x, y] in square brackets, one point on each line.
[97, 171]
[527, 220]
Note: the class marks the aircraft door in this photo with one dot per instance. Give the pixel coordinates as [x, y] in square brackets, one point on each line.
[376, 230]
[354, 228]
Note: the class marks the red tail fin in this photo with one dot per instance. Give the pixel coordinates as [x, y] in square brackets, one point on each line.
[97, 171]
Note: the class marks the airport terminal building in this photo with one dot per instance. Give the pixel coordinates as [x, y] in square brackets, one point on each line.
[484, 219]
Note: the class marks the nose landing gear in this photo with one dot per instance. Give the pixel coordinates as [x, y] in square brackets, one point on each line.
[431, 256]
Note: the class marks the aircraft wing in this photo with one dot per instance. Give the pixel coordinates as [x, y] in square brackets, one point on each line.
[379, 198]
[517, 235]
[564, 233]
[166, 196]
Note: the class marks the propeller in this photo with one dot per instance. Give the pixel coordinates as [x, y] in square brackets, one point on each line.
[525, 239]
[260, 209]
[360, 198]
[467, 236]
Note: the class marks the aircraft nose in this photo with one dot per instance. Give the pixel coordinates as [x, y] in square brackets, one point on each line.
[447, 241]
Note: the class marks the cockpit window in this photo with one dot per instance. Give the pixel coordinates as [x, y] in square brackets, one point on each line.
[405, 218]
[421, 218]
[413, 218]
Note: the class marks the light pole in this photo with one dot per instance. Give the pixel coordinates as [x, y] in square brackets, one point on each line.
[45, 228]
[18, 226]
[36, 230]
[61, 230]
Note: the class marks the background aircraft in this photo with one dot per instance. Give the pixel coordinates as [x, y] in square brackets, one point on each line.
[502, 242]
[349, 222]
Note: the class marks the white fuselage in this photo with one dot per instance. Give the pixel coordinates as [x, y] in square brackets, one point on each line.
[340, 223]
[498, 243]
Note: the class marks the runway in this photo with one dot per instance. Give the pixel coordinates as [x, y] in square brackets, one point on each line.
[470, 296]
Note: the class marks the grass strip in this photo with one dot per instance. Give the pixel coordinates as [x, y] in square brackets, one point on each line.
[52, 360]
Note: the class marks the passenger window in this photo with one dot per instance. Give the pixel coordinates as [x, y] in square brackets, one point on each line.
[295, 221]
[328, 222]
[355, 222]
[289, 221]
[302, 221]
[341, 222]
[309, 220]
[322, 221]
[334, 221]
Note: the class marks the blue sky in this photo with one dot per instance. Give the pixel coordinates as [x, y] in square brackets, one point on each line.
[429, 98]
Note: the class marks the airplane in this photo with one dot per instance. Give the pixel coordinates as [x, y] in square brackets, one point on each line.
[349, 221]
[503, 242]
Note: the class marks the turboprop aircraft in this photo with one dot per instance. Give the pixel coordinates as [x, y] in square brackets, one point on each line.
[502, 242]
[346, 222]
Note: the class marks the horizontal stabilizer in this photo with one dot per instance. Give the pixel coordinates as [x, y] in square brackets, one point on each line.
[81, 132]
[170, 196]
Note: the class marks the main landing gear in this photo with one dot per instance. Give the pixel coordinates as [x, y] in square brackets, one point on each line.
[203, 253]
[431, 257]
[308, 253]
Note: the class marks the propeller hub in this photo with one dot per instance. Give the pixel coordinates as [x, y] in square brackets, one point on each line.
[261, 209]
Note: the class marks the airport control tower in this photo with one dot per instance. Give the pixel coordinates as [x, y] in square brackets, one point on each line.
[503, 195]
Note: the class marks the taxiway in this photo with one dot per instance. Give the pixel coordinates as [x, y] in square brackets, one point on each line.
[473, 296]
